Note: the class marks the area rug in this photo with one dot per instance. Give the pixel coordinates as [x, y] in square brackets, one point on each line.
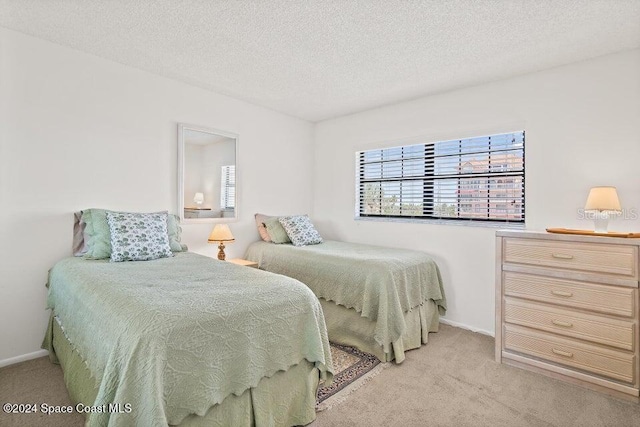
[353, 368]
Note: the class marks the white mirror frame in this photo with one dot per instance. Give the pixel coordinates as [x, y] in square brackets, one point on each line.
[181, 170]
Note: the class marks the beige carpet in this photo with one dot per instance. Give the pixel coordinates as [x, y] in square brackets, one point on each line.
[452, 381]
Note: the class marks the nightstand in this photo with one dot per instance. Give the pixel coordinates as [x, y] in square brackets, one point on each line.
[244, 262]
[200, 213]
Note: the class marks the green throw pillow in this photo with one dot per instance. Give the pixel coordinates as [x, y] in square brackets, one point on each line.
[276, 231]
[98, 235]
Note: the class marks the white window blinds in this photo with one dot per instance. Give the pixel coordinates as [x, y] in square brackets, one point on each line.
[479, 179]
[228, 187]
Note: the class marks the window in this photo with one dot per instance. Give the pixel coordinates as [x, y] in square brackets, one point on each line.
[228, 187]
[475, 179]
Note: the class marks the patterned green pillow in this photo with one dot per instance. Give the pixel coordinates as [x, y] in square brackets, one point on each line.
[275, 230]
[98, 236]
[300, 230]
[138, 236]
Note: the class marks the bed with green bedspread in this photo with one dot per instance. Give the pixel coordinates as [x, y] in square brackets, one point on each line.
[383, 285]
[177, 336]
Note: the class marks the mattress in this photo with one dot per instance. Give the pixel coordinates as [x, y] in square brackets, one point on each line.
[177, 336]
[285, 399]
[382, 285]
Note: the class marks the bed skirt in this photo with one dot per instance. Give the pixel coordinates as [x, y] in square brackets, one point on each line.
[286, 399]
[347, 326]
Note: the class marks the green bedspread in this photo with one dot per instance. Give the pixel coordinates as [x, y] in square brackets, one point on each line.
[380, 283]
[177, 335]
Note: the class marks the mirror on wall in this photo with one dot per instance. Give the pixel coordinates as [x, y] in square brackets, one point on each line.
[207, 167]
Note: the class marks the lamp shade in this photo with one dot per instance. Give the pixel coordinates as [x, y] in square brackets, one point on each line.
[603, 199]
[221, 233]
[198, 198]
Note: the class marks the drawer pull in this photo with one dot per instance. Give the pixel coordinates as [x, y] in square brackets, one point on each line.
[561, 323]
[561, 353]
[562, 293]
[562, 256]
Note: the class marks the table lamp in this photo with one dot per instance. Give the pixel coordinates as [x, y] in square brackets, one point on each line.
[221, 233]
[602, 203]
[198, 198]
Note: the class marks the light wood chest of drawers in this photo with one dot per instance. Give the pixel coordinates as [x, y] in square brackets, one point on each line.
[568, 306]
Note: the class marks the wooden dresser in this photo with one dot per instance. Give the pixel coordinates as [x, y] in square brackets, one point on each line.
[568, 306]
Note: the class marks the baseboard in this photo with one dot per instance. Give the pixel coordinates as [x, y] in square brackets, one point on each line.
[467, 327]
[23, 358]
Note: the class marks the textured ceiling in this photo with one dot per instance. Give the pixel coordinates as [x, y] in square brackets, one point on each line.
[322, 59]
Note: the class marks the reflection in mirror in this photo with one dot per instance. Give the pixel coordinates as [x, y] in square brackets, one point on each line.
[207, 178]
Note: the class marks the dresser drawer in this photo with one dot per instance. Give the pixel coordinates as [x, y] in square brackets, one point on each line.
[587, 257]
[607, 299]
[590, 327]
[592, 358]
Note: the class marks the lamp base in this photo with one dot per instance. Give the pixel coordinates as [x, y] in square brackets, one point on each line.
[221, 255]
[601, 225]
[601, 221]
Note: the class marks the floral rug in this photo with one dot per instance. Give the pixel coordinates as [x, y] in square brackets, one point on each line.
[353, 368]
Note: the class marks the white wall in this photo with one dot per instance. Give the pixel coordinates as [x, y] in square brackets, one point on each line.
[77, 131]
[193, 175]
[582, 126]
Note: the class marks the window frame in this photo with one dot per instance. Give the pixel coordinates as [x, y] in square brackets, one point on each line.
[429, 196]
